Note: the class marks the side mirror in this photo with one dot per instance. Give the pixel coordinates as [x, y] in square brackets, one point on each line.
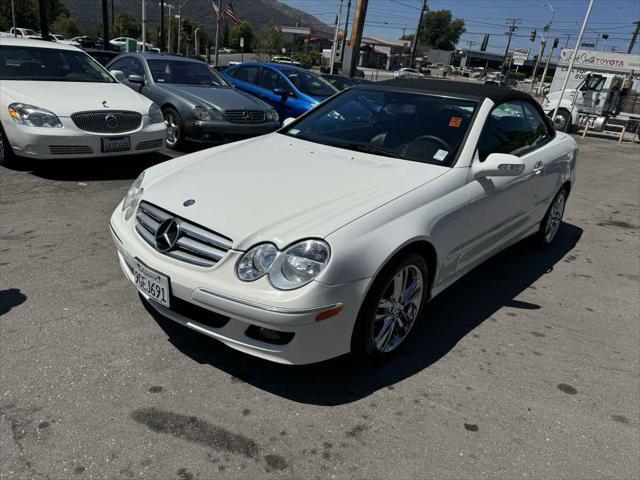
[499, 165]
[136, 79]
[287, 121]
[118, 75]
[282, 92]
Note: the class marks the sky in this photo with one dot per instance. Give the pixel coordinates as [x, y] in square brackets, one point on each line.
[390, 18]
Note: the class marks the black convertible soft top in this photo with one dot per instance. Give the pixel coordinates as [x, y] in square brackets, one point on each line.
[468, 89]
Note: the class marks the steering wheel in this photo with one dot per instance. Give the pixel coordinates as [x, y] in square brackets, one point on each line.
[433, 139]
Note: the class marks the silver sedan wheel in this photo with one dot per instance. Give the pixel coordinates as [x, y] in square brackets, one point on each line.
[173, 129]
[554, 218]
[398, 308]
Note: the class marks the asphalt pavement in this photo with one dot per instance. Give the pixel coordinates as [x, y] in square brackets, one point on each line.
[526, 368]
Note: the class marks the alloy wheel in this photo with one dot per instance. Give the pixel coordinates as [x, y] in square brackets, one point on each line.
[554, 218]
[173, 129]
[398, 308]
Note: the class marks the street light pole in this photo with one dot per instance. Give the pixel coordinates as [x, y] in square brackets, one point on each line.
[573, 59]
[195, 40]
[346, 29]
[13, 17]
[144, 25]
[548, 31]
[335, 39]
[217, 43]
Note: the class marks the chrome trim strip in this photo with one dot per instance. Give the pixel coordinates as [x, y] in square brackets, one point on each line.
[267, 308]
[204, 236]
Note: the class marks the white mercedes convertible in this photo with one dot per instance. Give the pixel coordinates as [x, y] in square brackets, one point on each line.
[330, 235]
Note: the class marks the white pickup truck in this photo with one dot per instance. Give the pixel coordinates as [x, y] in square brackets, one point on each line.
[601, 96]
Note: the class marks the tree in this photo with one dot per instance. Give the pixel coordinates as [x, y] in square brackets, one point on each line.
[126, 25]
[64, 25]
[440, 31]
[270, 40]
[241, 30]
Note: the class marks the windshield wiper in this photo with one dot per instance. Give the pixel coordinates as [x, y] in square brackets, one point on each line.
[360, 147]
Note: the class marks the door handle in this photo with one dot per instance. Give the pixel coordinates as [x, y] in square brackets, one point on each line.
[538, 168]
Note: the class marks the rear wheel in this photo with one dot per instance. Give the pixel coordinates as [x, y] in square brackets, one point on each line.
[391, 308]
[562, 121]
[551, 222]
[175, 132]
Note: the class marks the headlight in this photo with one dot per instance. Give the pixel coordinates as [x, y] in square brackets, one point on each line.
[33, 116]
[256, 262]
[272, 116]
[296, 266]
[133, 197]
[155, 114]
[200, 112]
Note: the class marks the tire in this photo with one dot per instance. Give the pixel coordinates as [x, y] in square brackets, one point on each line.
[7, 157]
[562, 121]
[175, 128]
[552, 220]
[380, 330]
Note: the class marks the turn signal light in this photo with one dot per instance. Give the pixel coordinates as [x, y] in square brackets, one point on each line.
[329, 313]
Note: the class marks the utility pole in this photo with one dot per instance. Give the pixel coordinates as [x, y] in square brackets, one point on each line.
[512, 28]
[633, 39]
[144, 25]
[161, 25]
[217, 43]
[105, 23]
[353, 53]
[335, 39]
[44, 26]
[346, 30]
[179, 26]
[573, 59]
[414, 44]
[566, 45]
[13, 17]
[113, 18]
[545, 35]
[546, 67]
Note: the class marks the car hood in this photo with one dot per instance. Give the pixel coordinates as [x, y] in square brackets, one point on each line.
[280, 189]
[223, 98]
[55, 96]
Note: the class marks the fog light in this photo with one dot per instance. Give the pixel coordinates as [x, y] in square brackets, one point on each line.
[268, 335]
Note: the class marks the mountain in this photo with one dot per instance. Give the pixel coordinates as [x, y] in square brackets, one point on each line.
[257, 12]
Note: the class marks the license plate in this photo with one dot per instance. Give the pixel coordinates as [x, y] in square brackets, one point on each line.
[151, 283]
[115, 144]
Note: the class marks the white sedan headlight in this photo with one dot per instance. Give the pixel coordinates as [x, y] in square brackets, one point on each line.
[155, 114]
[296, 266]
[34, 116]
[272, 116]
[133, 197]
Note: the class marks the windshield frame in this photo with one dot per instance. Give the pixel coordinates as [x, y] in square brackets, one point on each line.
[285, 71]
[87, 57]
[478, 101]
[212, 72]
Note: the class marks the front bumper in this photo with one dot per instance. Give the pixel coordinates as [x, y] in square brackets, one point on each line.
[71, 142]
[224, 132]
[243, 305]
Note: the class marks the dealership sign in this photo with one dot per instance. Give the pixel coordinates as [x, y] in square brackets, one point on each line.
[520, 55]
[601, 60]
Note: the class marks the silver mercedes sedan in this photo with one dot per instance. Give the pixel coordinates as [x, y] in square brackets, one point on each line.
[197, 103]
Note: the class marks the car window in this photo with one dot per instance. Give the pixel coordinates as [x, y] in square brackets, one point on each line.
[406, 125]
[510, 129]
[595, 83]
[49, 64]
[270, 80]
[310, 83]
[184, 72]
[247, 74]
[128, 66]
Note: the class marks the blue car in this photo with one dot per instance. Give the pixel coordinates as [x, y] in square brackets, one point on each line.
[290, 90]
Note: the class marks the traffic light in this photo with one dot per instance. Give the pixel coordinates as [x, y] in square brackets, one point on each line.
[555, 42]
[485, 42]
[532, 37]
[605, 36]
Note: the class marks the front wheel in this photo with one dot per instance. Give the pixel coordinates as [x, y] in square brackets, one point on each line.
[391, 308]
[6, 153]
[175, 133]
[562, 121]
[551, 222]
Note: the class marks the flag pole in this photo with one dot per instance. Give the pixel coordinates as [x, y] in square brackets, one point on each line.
[217, 31]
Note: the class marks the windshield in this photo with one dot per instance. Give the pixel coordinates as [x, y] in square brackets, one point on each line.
[49, 64]
[185, 73]
[310, 84]
[406, 125]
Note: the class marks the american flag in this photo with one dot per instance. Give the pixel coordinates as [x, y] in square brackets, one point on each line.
[216, 10]
[231, 13]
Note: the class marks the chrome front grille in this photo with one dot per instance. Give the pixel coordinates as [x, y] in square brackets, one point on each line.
[191, 243]
[245, 116]
[107, 121]
[70, 150]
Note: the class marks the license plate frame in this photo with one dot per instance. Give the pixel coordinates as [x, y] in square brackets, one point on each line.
[151, 283]
[116, 144]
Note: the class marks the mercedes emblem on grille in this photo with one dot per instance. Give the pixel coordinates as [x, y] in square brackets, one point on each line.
[246, 115]
[111, 121]
[167, 234]
[189, 202]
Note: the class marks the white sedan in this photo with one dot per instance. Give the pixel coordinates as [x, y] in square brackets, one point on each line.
[330, 235]
[407, 73]
[56, 101]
